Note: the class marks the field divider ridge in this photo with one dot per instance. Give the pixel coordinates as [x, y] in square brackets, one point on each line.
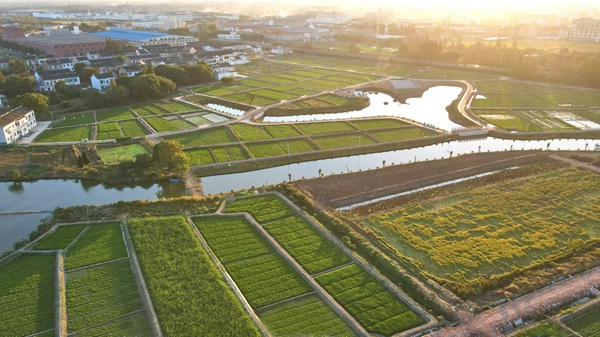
[76, 238]
[332, 269]
[431, 322]
[285, 301]
[226, 276]
[333, 304]
[60, 301]
[77, 333]
[141, 282]
[98, 264]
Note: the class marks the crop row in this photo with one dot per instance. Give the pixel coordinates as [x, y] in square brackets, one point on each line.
[588, 324]
[27, 295]
[132, 325]
[372, 305]
[100, 243]
[188, 292]
[307, 316]
[306, 245]
[60, 239]
[262, 208]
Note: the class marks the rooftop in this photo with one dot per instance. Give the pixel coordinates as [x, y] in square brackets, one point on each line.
[13, 115]
[131, 35]
[103, 75]
[61, 39]
[59, 76]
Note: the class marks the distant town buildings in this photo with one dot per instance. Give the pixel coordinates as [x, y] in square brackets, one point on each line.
[332, 18]
[140, 38]
[585, 30]
[66, 45]
[16, 123]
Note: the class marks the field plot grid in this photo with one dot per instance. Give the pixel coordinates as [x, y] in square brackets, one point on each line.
[27, 295]
[262, 208]
[101, 298]
[100, 243]
[588, 324]
[60, 239]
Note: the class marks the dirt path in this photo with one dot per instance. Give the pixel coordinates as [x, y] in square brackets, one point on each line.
[574, 162]
[485, 323]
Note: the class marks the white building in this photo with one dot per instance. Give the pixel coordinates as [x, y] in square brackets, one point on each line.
[281, 50]
[331, 18]
[101, 82]
[47, 79]
[231, 36]
[3, 101]
[16, 123]
[173, 22]
[585, 30]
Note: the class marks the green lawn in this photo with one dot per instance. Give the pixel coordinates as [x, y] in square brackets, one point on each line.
[74, 134]
[121, 153]
[324, 127]
[133, 128]
[114, 114]
[78, 119]
[204, 137]
[342, 141]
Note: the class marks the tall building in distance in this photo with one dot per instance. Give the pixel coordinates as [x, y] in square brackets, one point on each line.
[585, 30]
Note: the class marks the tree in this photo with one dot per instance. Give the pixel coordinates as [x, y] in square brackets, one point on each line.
[199, 73]
[148, 70]
[118, 95]
[171, 155]
[80, 162]
[17, 85]
[78, 67]
[119, 58]
[123, 80]
[150, 87]
[37, 102]
[112, 46]
[15, 174]
[17, 66]
[2, 79]
[85, 159]
[176, 74]
[87, 73]
[227, 79]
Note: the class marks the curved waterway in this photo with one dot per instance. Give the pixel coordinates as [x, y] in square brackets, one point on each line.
[263, 177]
[429, 109]
[45, 195]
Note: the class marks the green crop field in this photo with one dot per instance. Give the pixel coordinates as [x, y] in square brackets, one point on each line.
[121, 153]
[468, 239]
[176, 106]
[150, 110]
[27, 295]
[588, 324]
[221, 154]
[580, 98]
[262, 208]
[254, 83]
[453, 75]
[262, 275]
[248, 132]
[78, 119]
[132, 325]
[282, 131]
[401, 134]
[232, 238]
[342, 141]
[199, 120]
[103, 293]
[324, 127]
[109, 131]
[368, 301]
[74, 134]
[237, 152]
[60, 239]
[307, 316]
[100, 243]
[199, 157]
[204, 137]
[373, 124]
[296, 146]
[506, 119]
[306, 245]
[193, 299]
[261, 150]
[549, 329]
[160, 124]
[132, 129]
[114, 114]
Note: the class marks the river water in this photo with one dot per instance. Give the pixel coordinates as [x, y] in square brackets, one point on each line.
[429, 109]
[46, 195]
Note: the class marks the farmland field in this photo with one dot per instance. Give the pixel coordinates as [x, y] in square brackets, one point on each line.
[262, 208]
[102, 293]
[100, 243]
[121, 153]
[261, 150]
[237, 152]
[401, 134]
[73, 134]
[150, 110]
[296, 146]
[205, 137]
[132, 325]
[114, 114]
[132, 129]
[250, 132]
[306, 245]
[323, 128]
[27, 295]
[281, 131]
[199, 157]
[373, 124]
[588, 324]
[78, 119]
[221, 154]
[160, 124]
[109, 131]
[549, 329]
[467, 239]
[176, 106]
[60, 239]
[369, 302]
[342, 141]
[319, 320]
[194, 298]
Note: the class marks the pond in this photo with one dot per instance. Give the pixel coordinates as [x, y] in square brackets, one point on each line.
[245, 180]
[429, 109]
[46, 195]
[226, 109]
